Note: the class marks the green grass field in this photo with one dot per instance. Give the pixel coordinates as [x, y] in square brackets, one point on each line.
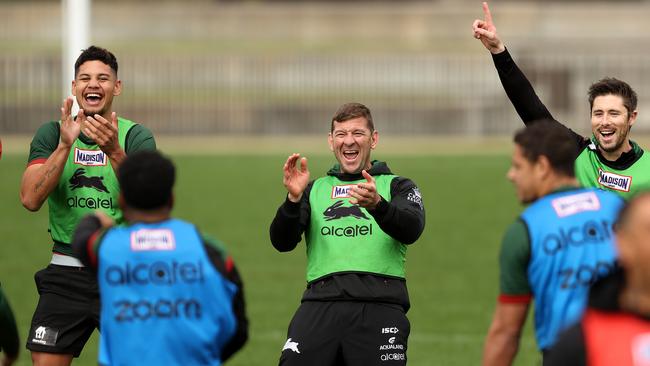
[452, 270]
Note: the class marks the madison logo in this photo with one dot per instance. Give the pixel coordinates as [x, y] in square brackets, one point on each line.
[152, 239]
[342, 191]
[79, 180]
[89, 157]
[576, 203]
[614, 181]
[338, 211]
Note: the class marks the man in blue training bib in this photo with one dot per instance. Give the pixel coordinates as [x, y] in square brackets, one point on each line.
[559, 245]
[169, 294]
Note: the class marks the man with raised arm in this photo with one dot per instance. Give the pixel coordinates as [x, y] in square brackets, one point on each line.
[609, 159]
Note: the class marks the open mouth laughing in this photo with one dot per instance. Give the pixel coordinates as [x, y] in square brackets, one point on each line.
[93, 99]
[607, 135]
[350, 155]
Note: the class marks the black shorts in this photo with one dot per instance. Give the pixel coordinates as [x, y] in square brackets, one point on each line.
[67, 312]
[346, 333]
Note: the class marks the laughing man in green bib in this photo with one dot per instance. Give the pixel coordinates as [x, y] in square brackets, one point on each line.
[357, 221]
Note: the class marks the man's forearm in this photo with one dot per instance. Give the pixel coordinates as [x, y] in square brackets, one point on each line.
[86, 228]
[502, 341]
[40, 180]
[241, 332]
[403, 217]
[286, 230]
[500, 349]
[402, 222]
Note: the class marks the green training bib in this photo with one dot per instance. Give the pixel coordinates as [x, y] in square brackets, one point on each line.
[88, 183]
[345, 238]
[591, 172]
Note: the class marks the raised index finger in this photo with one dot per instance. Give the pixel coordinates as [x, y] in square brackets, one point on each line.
[367, 175]
[486, 12]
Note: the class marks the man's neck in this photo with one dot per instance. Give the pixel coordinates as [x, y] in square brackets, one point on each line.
[557, 182]
[133, 215]
[615, 155]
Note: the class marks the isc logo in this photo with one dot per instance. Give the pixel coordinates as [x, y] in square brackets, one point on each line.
[391, 330]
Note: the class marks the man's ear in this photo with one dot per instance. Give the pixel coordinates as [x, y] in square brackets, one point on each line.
[543, 166]
[117, 89]
[374, 139]
[632, 117]
[330, 141]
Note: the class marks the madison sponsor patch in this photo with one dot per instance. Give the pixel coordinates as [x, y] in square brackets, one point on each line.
[614, 181]
[342, 191]
[576, 203]
[152, 239]
[89, 157]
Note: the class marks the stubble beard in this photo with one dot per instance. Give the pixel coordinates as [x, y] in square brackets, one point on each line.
[623, 137]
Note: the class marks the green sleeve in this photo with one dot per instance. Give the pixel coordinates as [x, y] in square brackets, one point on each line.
[513, 260]
[139, 138]
[8, 330]
[214, 243]
[44, 142]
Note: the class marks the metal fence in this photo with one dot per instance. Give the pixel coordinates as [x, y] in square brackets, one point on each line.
[458, 95]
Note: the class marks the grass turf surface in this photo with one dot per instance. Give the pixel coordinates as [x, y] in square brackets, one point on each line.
[451, 271]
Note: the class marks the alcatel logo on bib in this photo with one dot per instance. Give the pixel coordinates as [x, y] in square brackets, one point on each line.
[614, 181]
[89, 157]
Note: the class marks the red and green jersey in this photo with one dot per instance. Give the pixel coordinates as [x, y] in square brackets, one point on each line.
[88, 181]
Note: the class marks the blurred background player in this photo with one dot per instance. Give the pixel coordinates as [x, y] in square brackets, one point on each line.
[559, 245]
[9, 342]
[358, 221]
[72, 164]
[615, 329]
[609, 159]
[169, 295]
